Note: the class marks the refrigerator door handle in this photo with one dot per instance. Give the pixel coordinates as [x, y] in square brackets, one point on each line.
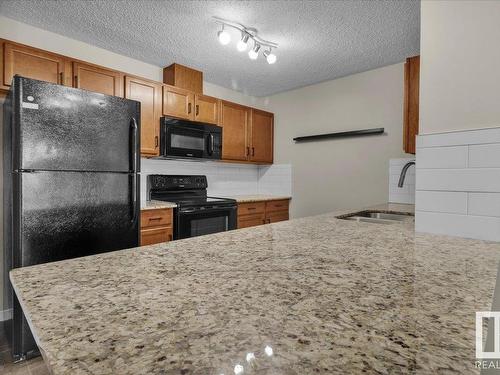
[133, 198]
[133, 145]
[133, 165]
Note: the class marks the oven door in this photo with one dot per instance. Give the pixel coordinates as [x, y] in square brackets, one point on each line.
[192, 222]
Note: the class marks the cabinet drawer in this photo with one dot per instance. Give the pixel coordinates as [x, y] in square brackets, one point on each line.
[155, 235]
[281, 205]
[251, 208]
[273, 217]
[156, 218]
[245, 221]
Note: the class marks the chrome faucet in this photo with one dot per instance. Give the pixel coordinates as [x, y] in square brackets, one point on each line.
[403, 173]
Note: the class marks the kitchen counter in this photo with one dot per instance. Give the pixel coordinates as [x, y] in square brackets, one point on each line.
[258, 198]
[316, 295]
[154, 205]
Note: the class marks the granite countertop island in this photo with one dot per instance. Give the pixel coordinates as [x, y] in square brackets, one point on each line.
[316, 295]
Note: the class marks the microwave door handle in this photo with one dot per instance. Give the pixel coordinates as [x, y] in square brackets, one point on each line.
[211, 149]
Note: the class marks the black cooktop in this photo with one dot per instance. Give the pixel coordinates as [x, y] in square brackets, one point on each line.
[196, 201]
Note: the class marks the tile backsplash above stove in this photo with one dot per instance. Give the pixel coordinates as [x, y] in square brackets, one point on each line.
[225, 179]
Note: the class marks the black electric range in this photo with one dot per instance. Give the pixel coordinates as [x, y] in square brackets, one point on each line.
[196, 213]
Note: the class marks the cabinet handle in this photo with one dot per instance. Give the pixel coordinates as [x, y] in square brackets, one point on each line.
[154, 218]
[248, 151]
[197, 109]
[189, 108]
[61, 77]
[76, 81]
[251, 208]
[156, 141]
[253, 151]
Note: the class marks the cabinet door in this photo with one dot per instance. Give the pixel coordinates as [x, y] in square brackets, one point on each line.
[149, 94]
[178, 102]
[97, 79]
[262, 130]
[411, 103]
[245, 221]
[274, 217]
[234, 120]
[206, 109]
[33, 63]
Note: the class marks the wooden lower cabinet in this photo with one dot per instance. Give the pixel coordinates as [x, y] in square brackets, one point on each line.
[258, 213]
[156, 226]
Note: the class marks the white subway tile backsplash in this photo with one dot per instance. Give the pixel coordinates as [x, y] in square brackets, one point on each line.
[486, 180]
[484, 204]
[467, 137]
[484, 156]
[481, 227]
[442, 157]
[442, 201]
[463, 197]
[224, 179]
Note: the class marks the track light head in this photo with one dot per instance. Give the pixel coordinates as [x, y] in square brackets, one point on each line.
[224, 36]
[243, 42]
[270, 57]
[254, 52]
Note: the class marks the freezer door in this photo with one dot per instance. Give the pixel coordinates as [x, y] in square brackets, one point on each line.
[71, 214]
[62, 128]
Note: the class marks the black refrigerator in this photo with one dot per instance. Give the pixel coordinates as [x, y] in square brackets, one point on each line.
[71, 183]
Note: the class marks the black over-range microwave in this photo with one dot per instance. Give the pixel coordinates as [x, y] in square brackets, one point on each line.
[188, 139]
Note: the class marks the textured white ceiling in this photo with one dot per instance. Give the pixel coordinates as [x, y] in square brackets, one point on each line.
[319, 40]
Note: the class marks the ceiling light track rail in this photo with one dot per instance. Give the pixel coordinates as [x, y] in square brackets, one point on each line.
[246, 34]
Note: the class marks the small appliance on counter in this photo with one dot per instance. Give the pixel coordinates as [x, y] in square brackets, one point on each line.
[71, 183]
[188, 139]
[196, 213]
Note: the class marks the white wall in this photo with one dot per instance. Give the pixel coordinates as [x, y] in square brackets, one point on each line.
[460, 59]
[458, 174]
[340, 173]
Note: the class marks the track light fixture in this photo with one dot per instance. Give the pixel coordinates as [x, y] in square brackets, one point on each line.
[270, 57]
[254, 52]
[224, 36]
[246, 34]
[243, 42]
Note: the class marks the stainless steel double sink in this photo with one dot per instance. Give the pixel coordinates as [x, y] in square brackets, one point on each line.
[377, 217]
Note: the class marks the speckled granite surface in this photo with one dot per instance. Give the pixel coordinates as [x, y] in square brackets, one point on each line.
[258, 198]
[154, 205]
[328, 296]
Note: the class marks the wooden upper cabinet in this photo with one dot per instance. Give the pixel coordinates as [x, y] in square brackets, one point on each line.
[149, 94]
[183, 77]
[262, 131]
[234, 119]
[34, 63]
[97, 79]
[206, 109]
[178, 102]
[411, 103]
